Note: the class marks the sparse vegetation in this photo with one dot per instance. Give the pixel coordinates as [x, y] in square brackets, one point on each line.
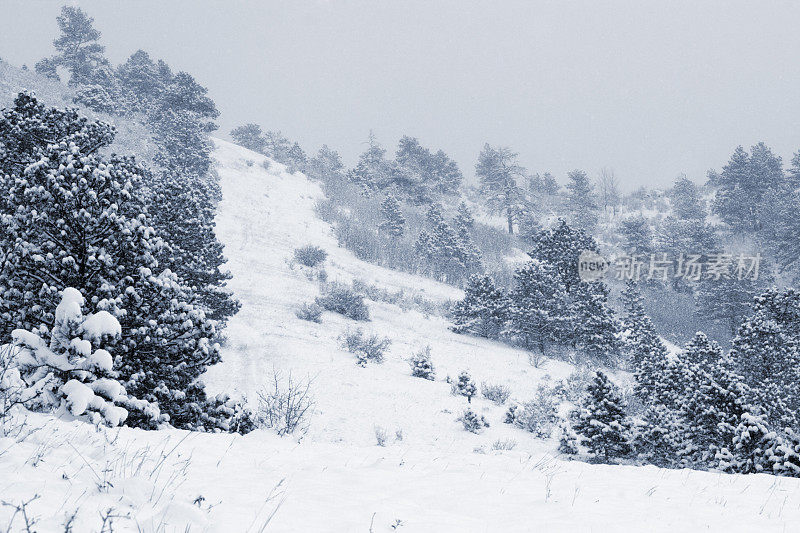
[344, 300]
[365, 347]
[498, 394]
[422, 365]
[309, 311]
[464, 386]
[472, 422]
[285, 406]
[310, 255]
[381, 436]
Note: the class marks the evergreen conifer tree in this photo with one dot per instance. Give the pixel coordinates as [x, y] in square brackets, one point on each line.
[581, 201]
[465, 386]
[483, 310]
[538, 311]
[602, 423]
[498, 171]
[393, 223]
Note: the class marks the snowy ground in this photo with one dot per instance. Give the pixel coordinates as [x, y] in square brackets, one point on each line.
[336, 478]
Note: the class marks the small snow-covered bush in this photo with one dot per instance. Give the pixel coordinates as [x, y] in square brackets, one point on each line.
[229, 415]
[464, 386]
[341, 299]
[310, 255]
[285, 406]
[511, 414]
[499, 394]
[70, 372]
[309, 311]
[568, 441]
[381, 436]
[365, 347]
[472, 422]
[573, 387]
[421, 364]
[538, 415]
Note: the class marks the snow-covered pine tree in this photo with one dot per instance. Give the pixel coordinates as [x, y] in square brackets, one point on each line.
[464, 221]
[483, 311]
[561, 246]
[75, 219]
[756, 448]
[568, 439]
[249, 136]
[78, 47]
[297, 160]
[595, 328]
[645, 350]
[659, 438]
[602, 423]
[140, 82]
[445, 254]
[326, 166]
[445, 176]
[393, 223]
[435, 215]
[637, 234]
[529, 227]
[422, 175]
[422, 365]
[373, 171]
[96, 98]
[713, 401]
[465, 386]
[687, 203]
[744, 183]
[71, 372]
[581, 201]
[728, 299]
[766, 349]
[549, 185]
[277, 147]
[47, 67]
[184, 215]
[538, 310]
[412, 174]
[498, 172]
[183, 197]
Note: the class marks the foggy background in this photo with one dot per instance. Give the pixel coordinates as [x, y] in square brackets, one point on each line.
[650, 89]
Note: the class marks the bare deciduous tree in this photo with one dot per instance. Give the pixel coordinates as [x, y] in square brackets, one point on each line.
[608, 189]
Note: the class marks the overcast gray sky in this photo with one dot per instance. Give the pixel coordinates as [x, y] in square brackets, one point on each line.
[650, 89]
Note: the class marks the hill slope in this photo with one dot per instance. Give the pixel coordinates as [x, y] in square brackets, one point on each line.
[336, 478]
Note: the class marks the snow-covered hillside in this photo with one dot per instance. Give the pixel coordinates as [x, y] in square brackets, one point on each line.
[438, 477]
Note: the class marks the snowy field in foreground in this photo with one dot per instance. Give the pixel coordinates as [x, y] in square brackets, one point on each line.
[336, 478]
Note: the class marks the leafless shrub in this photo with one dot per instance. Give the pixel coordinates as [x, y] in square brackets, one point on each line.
[285, 406]
[12, 395]
[499, 394]
[22, 510]
[537, 359]
[506, 444]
